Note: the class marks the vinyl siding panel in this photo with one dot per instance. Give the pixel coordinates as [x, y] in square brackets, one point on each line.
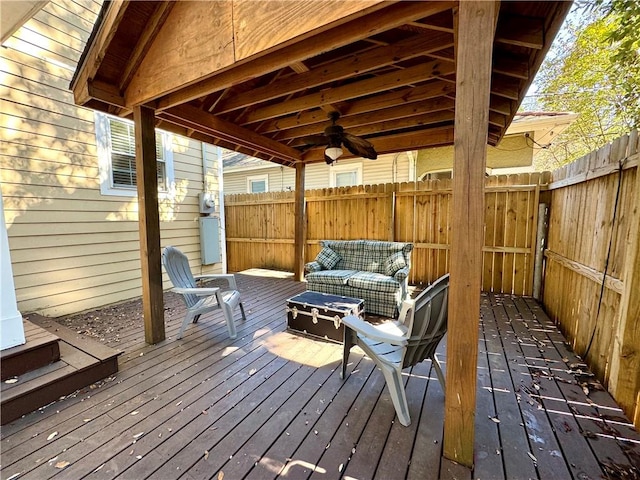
[386, 169]
[73, 249]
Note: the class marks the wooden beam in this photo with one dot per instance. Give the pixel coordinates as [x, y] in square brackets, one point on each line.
[357, 29]
[353, 65]
[507, 87]
[101, 42]
[410, 94]
[522, 31]
[300, 224]
[105, 92]
[399, 142]
[151, 29]
[624, 385]
[199, 120]
[511, 65]
[433, 106]
[412, 75]
[420, 120]
[475, 32]
[149, 225]
[502, 105]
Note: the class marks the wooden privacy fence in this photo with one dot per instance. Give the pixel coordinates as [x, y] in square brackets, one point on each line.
[592, 277]
[260, 227]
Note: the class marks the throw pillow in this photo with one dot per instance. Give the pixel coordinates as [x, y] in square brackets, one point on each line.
[394, 263]
[328, 258]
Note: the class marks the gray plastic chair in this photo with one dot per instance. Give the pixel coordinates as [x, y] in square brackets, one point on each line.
[403, 343]
[201, 300]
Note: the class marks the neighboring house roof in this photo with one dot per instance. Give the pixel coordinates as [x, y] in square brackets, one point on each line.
[235, 162]
[545, 125]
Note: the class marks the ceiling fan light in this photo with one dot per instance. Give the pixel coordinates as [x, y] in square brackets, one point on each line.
[333, 153]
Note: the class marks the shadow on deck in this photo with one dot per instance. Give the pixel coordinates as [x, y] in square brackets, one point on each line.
[270, 404]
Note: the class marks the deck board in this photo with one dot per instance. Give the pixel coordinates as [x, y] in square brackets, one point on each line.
[270, 404]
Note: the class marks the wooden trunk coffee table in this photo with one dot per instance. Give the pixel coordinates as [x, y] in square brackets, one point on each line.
[319, 314]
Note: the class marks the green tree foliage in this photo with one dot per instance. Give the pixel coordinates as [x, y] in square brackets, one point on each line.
[593, 71]
[626, 59]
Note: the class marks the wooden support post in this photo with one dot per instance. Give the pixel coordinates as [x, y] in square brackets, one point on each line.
[624, 380]
[300, 230]
[149, 225]
[475, 32]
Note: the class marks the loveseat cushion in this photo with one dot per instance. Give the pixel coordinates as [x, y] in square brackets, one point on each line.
[328, 258]
[330, 277]
[373, 281]
[393, 263]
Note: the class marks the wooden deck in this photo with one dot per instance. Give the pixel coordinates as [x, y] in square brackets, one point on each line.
[270, 404]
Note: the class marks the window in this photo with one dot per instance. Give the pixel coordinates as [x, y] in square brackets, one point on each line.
[117, 156]
[258, 184]
[345, 175]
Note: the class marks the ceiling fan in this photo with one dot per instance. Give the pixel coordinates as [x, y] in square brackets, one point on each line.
[335, 136]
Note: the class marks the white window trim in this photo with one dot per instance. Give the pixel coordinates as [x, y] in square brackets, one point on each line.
[345, 168]
[103, 142]
[258, 178]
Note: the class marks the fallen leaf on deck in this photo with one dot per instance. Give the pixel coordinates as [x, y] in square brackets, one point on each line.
[99, 468]
[134, 413]
[179, 403]
[62, 465]
[11, 380]
[252, 371]
[206, 454]
[138, 435]
[531, 456]
[221, 475]
[495, 419]
[52, 435]
[14, 476]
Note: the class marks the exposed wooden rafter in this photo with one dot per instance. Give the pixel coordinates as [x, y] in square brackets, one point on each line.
[357, 29]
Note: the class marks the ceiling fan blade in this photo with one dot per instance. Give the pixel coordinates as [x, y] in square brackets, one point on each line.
[359, 146]
[314, 140]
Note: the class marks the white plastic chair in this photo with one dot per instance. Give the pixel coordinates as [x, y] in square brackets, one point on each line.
[403, 343]
[201, 300]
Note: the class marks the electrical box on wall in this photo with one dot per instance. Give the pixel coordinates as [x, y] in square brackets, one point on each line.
[207, 204]
[210, 240]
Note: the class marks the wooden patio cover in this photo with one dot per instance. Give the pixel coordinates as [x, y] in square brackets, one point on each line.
[257, 76]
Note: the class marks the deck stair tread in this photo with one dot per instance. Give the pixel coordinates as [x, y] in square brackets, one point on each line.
[81, 362]
[41, 349]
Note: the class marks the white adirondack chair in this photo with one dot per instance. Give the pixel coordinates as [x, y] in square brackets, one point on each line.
[405, 342]
[201, 300]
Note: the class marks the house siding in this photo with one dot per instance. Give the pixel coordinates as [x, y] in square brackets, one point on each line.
[73, 249]
[387, 168]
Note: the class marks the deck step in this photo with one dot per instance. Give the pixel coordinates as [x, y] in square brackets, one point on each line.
[82, 362]
[41, 349]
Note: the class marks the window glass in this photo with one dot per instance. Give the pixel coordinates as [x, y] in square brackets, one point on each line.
[258, 184]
